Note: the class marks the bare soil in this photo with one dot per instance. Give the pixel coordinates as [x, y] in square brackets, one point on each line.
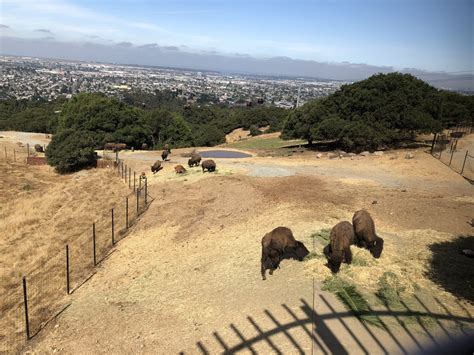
[187, 278]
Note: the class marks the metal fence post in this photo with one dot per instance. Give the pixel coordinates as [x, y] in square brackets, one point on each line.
[25, 301]
[113, 235]
[93, 242]
[464, 163]
[452, 153]
[125, 175]
[126, 212]
[68, 288]
[138, 198]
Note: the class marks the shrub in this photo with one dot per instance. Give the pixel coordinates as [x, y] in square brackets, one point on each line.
[71, 151]
[254, 131]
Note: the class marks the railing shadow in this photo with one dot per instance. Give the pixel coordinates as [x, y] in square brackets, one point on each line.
[317, 328]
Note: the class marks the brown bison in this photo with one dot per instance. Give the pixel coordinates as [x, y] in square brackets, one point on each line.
[39, 148]
[115, 146]
[364, 229]
[194, 160]
[208, 165]
[167, 147]
[156, 167]
[277, 245]
[338, 250]
[179, 169]
[144, 146]
[164, 155]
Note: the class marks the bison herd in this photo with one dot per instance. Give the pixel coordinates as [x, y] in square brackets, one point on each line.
[194, 160]
[280, 244]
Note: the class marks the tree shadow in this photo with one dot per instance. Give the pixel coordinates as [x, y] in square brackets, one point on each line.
[452, 270]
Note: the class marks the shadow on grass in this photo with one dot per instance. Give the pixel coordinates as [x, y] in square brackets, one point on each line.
[452, 270]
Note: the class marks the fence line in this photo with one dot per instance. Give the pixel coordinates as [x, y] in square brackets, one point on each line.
[45, 289]
[444, 147]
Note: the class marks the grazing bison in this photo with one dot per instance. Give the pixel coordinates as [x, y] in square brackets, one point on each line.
[156, 167]
[364, 229]
[338, 250]
[144, 146]
[179, 169]
[115, 146]
[39, 148]
[277, 245]
[164, 155]
[208, 165]
[167, 147]
[194, 160]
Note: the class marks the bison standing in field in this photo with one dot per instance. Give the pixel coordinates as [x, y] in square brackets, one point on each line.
[277, 245]
[338, 250]
[156, 167]
[167, 147]
[179, 169]
[144, 146]
[195, 160]
[115, 146]
[39, 148]
[164, 155]
[364, 229]
[208, 165]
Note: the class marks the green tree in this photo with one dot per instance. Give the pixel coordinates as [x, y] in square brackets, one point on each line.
[71, 150]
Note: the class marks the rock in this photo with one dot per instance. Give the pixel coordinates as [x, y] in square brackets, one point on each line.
[319, 155]
[374, 202]
[352, 154]
[378, 153]
[409, 156]
[333, 155]
[364, 154]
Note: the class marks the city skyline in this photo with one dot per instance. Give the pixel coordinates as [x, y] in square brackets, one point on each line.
[426, 35]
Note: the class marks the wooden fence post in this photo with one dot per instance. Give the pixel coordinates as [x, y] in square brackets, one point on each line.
[125, 176]
[433, 143]
[93, 242]
[134, 181]
[146, 190]
[464, 163]
[450, 159]
[28, 149]
[129, 177]
[68, 288]
[25, 301]
[113, 235]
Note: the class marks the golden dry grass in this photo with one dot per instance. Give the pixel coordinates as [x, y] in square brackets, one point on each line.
[41, 212]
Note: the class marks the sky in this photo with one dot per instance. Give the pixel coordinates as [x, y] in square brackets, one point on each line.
[432, 35]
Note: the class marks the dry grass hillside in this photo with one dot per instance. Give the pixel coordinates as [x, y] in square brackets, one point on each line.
[41, 212]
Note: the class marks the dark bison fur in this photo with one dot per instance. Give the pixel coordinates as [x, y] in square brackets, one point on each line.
[338, 250]
[156, 167]
[39, 148]
[277, 245]
[364, 228]
[179, 169]
[208, 165]
[167, 148]
[194, 160]
[144, 146]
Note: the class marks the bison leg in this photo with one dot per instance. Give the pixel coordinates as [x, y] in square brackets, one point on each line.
[263, 271]
[327, 251]
[348, 255]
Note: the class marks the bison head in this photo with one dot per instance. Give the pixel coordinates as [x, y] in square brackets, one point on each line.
[376, 247]
[301, 251]
[335, 261]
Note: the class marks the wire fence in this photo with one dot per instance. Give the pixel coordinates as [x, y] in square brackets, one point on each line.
[446, 148]
[42, 293]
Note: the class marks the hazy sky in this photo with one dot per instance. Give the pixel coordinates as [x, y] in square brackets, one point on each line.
[434, 35]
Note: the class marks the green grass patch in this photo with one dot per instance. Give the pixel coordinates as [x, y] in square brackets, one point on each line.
[322, 236]
[352, 299]
[265, 143]
[313, 255]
